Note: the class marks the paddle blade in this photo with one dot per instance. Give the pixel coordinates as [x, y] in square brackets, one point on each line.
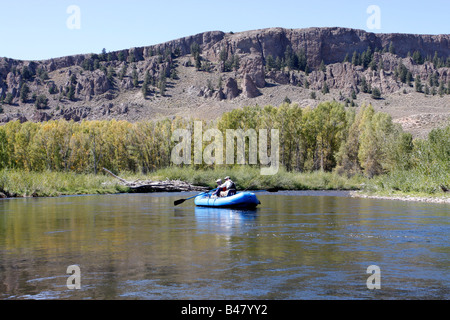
[180, 201]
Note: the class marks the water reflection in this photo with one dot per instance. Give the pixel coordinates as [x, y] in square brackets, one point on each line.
[224, 221]
[295, 246]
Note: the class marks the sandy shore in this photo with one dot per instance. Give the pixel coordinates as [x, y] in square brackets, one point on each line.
[361, 194]
[443, 199]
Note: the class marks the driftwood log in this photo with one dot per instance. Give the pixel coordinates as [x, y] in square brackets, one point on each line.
[158, 186]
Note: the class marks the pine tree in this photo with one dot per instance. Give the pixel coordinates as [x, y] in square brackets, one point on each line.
[322, 67]
[121, 56]
[145, 84]
[417, 57]
[355, 58]
[325, 88]
[24, 91]
[391, 48]
[418, 84]
[111, 73]
[402, 72]
[270, 62]
[366, 57]
[236, 62]
[408, 78]
[70, 92]
[41, 102]
[376, 93]
[162, 84]
[364, 85]
[8, 98]
[135, 77]
[223, 56]
[123, 72]
[302, 60]
[27, 73]
[346, 58]
[278, 63]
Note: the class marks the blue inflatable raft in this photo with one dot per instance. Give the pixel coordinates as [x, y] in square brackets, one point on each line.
[239, 200]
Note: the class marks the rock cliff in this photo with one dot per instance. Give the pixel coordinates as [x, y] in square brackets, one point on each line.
[212, 72]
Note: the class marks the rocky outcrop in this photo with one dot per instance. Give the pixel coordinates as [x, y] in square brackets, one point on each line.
[231, 89]
[249, 88]
[253, 67]
[79, 86]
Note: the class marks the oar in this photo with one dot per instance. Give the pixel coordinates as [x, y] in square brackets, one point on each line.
[180, 201]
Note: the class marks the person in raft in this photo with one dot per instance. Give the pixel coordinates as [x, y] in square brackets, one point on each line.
[218, 189]
[228, 188]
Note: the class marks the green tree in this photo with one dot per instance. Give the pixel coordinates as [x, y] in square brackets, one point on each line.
[418, 84]
[347, 156]
[417, 57]
[236, 62]
[330, 120]
[223, 55]
[270, 62]
[121, 56]
[41, 102]
[27, 73]
[145, 90]
[441, 88]
[70, 92]
[325, 88]
[366, 57]
[322, 67]
[356, 59]
[123, 71]
[402, 72]
[376, 93]
[24, 91]
[346, 58]
[135, 76]
[302, 60]
[364, 85]
[111, 73]
[376, 130]
[391, 48]
[8, 98]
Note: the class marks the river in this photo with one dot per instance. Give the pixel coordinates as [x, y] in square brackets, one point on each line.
[295, 245]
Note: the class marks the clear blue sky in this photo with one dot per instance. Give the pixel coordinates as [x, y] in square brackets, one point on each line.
[37, 29]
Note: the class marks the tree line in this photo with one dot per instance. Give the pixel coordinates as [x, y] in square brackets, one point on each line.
[328, 137]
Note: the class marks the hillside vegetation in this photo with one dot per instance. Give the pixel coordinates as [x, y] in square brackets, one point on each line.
[328, 139]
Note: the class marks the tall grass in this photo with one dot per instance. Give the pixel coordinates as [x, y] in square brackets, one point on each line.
[247, 177]
[49, 183]
[414, 181]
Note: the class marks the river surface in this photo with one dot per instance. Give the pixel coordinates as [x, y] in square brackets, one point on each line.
[296, 245]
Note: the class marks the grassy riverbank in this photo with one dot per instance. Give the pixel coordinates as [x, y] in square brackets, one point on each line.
[19, 183]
